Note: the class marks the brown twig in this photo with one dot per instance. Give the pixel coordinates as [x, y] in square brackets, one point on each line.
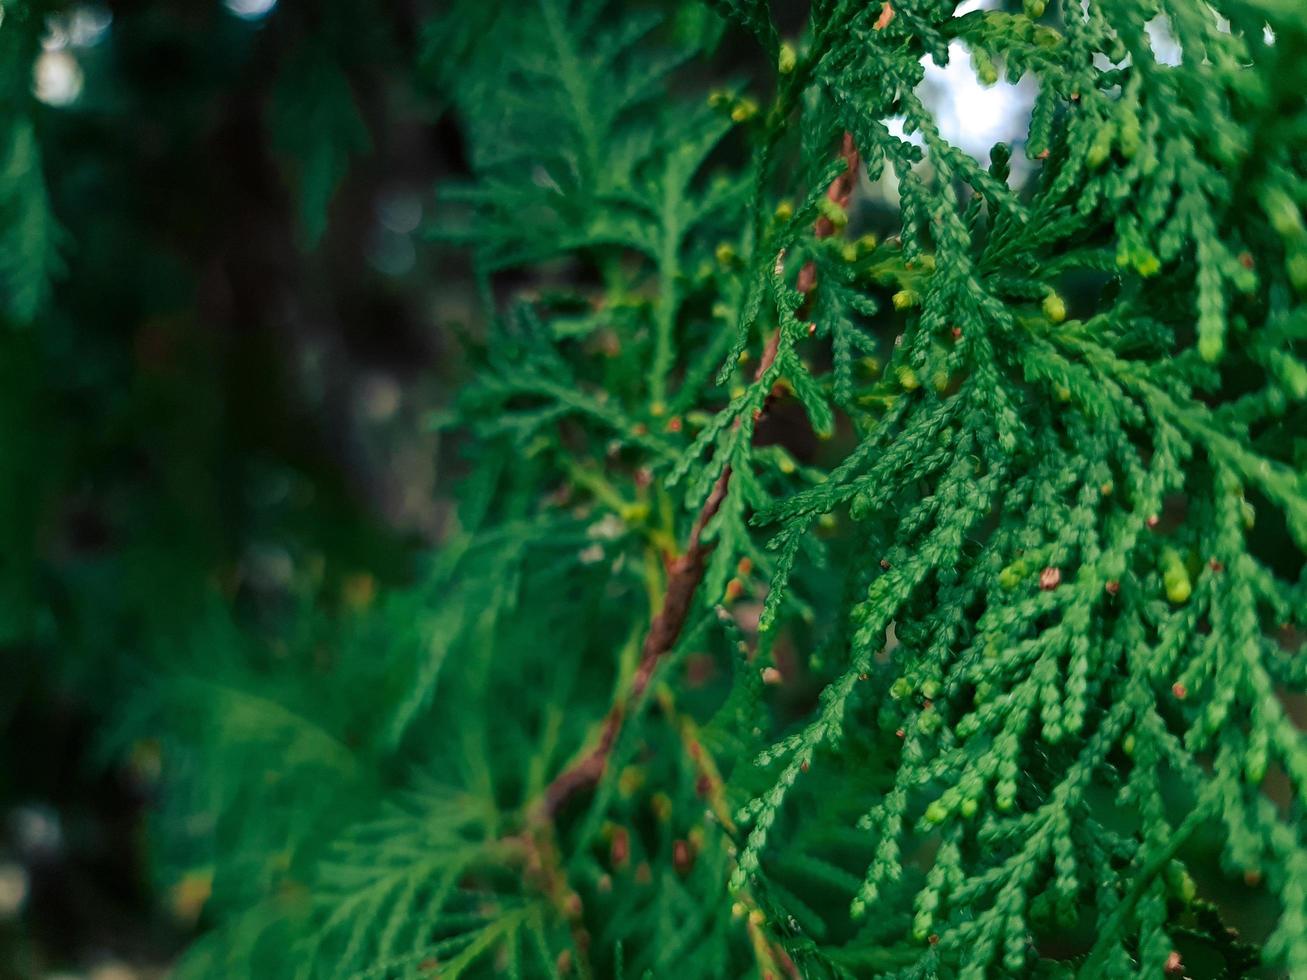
[685, 572]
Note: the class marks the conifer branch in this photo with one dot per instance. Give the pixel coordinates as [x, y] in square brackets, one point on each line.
[685, 572]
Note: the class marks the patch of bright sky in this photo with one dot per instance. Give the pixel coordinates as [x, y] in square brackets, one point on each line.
[250, 9]
[1166, 49]
[57, 76]
[971, 116]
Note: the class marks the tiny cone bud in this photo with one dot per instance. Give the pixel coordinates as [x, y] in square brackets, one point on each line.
[807, 278]
[1050, 578]
[743, 111]
[787, 59]
[682, 857]
[886, 15]
[1113, 587]
[770, 675]
[1180, 691]
[619, 851]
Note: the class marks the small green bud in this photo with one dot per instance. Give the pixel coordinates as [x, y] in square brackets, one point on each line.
[929, 689]
[744, 110]
[1010, 577]
[833, 213]
[900, 689]
[725, 253]
[1146, 263]
[937, 812]
[908, 379]
[1054, 307]
[784, 211]
[787, 60]
[968, 808]
[1175, 577]
[1035, 8]
[904, 299]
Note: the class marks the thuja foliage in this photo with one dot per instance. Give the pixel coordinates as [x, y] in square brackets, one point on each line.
[1022, 640]
[840, 584]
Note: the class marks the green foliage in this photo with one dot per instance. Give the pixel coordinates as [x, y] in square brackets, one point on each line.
[1089, 644]
[317, 129]
[30, 240]
[981, 521]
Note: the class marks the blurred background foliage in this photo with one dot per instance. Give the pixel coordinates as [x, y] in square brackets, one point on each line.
[213, 455]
